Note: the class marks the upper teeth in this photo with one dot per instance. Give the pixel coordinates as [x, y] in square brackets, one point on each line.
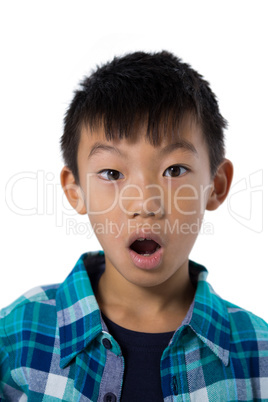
[142, 239]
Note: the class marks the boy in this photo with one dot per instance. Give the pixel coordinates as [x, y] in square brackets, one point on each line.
[144, 152]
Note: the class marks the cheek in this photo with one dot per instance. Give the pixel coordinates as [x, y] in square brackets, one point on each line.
[187, 201]
[101, 198]
[190, 199]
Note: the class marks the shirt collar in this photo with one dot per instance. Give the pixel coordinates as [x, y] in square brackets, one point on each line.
[77, 309]
[79, 316]
[210, 318]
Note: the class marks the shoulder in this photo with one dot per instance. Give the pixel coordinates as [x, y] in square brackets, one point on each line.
[38, 294]
[245, 325]
[33, 306]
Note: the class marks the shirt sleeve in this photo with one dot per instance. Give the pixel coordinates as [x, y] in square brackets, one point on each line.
[9, 390]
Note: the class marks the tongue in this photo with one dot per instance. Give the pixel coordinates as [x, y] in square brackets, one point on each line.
[144, 247]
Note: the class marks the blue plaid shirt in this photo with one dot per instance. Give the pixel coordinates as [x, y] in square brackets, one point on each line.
[54, 346]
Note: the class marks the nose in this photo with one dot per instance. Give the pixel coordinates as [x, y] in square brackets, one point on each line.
[143, 200]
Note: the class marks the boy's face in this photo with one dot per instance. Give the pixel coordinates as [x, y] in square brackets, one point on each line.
[133, 190]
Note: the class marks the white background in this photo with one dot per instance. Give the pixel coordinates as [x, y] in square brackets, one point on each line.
[46, 49]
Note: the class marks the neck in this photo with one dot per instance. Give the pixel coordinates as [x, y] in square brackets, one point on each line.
[159, 308]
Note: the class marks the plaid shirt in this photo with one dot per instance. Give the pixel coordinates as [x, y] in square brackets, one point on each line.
[54, 346]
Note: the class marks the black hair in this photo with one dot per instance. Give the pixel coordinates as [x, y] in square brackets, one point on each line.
[152, 88]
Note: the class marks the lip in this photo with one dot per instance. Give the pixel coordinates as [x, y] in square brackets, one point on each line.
[152, 261]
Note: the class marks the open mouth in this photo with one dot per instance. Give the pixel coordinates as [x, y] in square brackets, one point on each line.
[145, 246]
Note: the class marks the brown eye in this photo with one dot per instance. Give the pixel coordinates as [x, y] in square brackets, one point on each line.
[110, 174]
[174, 171]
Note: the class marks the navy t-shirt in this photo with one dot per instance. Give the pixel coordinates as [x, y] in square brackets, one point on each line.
[142, 353]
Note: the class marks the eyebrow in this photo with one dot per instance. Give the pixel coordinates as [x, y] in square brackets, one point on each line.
[181, 144]
[98, 146]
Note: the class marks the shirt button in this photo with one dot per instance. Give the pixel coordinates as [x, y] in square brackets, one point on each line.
[110, 397]
[107, 344]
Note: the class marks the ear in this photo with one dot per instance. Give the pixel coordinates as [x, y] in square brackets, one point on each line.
[72, 191]
[221, 185]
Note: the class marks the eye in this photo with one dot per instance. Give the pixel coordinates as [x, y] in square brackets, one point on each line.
[110, 174]
[174, 171]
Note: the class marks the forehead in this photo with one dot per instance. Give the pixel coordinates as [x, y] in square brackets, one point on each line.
[188, 133]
